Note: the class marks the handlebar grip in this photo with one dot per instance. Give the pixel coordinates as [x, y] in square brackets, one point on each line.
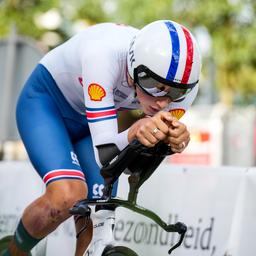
[178, 227]
[160, 149]
[80, 209]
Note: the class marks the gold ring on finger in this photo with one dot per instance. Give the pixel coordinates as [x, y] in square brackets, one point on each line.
[155, 131]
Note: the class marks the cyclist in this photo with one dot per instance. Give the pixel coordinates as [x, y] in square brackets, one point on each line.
[68, 109]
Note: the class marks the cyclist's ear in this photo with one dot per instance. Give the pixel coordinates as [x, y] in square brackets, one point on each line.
[107, 152]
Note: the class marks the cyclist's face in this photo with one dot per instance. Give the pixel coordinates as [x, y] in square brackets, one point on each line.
[151, 105]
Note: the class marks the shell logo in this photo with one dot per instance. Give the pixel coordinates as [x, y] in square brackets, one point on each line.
[178, 112]
[96, 92]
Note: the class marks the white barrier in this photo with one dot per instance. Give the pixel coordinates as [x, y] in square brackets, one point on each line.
[217, 204]
[19, 186]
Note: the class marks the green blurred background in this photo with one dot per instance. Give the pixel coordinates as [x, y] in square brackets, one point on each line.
[225, 29]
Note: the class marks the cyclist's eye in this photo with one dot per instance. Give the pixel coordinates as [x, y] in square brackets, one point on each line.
[163, 88]
[143, 75]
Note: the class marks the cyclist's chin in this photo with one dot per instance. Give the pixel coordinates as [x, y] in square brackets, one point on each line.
[150, 111]
[147, 109]
[147, 112]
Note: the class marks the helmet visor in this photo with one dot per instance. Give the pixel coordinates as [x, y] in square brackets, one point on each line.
[159, 87]
[156, 89]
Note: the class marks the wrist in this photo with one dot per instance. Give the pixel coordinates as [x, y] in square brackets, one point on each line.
[132, 133]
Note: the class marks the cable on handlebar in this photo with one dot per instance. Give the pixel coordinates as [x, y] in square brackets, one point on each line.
[83, 211]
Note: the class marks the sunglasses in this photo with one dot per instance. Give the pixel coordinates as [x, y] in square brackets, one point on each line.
[157, 86]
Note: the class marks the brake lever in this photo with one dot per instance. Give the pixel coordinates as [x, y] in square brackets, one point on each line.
[181, 229]
[81, 209]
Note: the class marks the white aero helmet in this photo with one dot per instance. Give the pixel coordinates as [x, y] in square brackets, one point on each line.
[164, 60]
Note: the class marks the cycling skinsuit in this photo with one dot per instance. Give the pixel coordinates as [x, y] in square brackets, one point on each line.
[70, 102]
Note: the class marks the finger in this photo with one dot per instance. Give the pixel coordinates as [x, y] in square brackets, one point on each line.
[175, 150]
[145, 142]
[178, 138]
[184, 137]
[179, 148]
[161, 122]
[176, 132]
[165, 117]
[158, 133]
[156, 127]
[176, 122]
[173, 121]
[145, 133]
[153, 135]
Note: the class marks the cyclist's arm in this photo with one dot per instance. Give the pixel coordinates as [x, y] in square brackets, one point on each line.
[100, 72]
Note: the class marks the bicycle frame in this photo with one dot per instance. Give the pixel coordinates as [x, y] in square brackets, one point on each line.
[136, 179]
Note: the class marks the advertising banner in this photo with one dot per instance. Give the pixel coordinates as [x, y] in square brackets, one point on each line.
[217, 205]
[20, 185]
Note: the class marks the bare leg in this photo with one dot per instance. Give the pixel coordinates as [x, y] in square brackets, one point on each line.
[85, 237]
[47, 212]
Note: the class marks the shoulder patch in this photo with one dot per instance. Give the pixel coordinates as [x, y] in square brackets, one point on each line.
[178, 112]
[96, 92]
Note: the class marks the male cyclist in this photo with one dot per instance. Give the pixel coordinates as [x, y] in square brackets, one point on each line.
[68, 110]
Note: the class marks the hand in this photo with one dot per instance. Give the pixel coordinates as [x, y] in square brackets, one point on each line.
[178, 137]
[150, 130]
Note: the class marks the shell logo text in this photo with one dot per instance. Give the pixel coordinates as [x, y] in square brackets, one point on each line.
[178, 112]
[96, 92]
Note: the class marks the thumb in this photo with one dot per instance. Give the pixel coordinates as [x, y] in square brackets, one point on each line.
[175, 122]
[166, 116]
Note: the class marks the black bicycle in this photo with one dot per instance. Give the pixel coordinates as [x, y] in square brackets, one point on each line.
[139, 162]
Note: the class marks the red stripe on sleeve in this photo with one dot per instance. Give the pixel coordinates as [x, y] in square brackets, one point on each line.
[100, 114]
[62, 173]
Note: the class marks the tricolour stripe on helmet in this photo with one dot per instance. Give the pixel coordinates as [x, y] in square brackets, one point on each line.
[182, 53]
[190, 53]
[175, 51]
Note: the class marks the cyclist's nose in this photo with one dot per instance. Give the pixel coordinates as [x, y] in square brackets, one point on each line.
[163, 102]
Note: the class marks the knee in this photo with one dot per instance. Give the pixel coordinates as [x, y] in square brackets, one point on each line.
[63, 194]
